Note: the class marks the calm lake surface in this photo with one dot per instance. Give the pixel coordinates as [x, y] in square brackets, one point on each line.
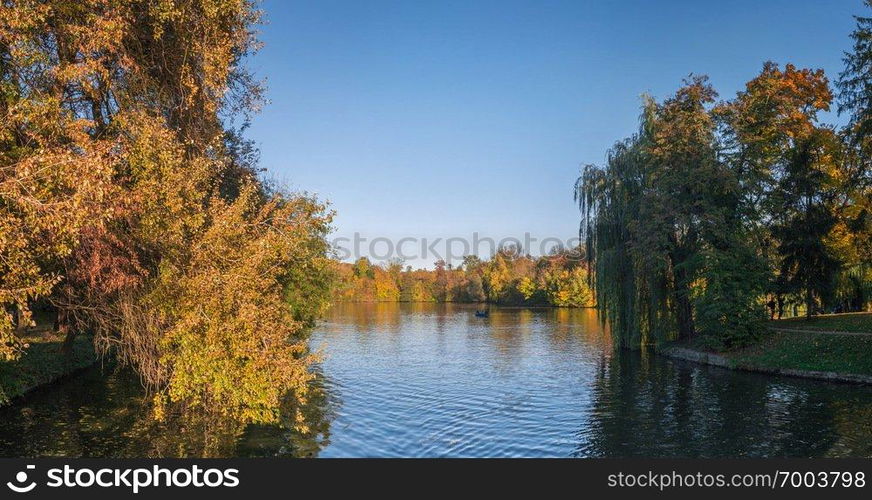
[431, 380]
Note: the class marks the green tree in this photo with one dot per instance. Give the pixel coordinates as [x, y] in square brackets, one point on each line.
[855, 81]
[691, 199]
[728, 309]
[768, 127]
[651, 214]
[805, 195]
[853, 232]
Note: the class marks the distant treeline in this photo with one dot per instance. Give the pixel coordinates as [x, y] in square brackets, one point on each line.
[508, 278]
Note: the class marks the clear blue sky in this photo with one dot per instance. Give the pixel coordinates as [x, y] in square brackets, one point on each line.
[442, 118]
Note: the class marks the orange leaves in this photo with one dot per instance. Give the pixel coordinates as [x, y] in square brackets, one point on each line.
[111, 164]
[779, 102]
[46, 200]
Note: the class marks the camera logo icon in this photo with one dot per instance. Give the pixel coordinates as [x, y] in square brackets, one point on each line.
[20, 479]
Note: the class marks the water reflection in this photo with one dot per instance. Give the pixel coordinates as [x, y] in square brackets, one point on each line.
[545, 382]
[645, 406]
[433, 380]
[104, 413]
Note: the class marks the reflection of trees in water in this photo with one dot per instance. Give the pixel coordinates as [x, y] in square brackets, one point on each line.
[584, 322]
[211, 434]
[506, 330]
[284, 440]
[108, 415]
[853, 422]
[183, 434]
[367, 315]
[647, 406]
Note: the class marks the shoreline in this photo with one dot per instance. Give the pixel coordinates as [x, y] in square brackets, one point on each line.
[482, 304]
[713, 359]
[43, 365]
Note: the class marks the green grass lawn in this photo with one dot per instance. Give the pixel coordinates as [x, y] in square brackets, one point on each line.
[850, 322]
[810, 351]
[41, 363]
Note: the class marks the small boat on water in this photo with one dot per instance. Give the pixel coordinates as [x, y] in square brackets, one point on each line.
[482, 314]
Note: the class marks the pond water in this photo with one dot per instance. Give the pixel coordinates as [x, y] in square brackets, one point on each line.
[433, 380]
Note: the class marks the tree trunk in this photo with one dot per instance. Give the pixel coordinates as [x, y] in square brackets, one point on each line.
[20, 322]
[684, 309]
[684, 312]
[678, 257]
[62, 326]
[809, 303]
[67, 346]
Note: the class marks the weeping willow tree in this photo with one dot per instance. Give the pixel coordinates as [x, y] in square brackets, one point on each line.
[609, 201]
[660, 221]
[630, 284]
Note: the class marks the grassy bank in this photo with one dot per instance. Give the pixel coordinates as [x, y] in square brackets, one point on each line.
[43, 363]
[809, 351]
[799, 347]
[848, 322]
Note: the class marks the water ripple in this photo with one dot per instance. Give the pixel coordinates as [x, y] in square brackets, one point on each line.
[434, 381]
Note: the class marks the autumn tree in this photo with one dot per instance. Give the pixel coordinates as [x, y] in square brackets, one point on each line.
[772, 143]
[657, 219]
[511, 278]
[131, 201]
